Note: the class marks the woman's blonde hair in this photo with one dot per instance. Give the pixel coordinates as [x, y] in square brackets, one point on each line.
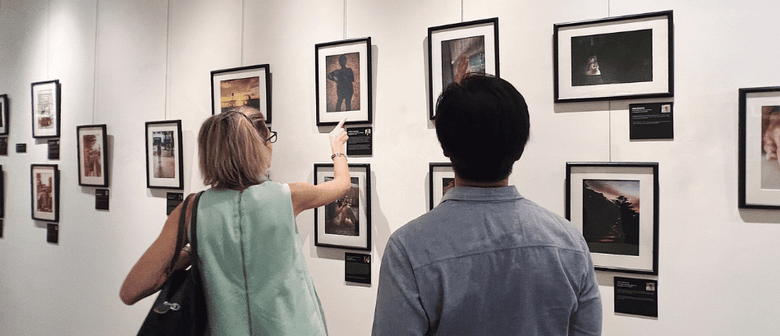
[229, 146]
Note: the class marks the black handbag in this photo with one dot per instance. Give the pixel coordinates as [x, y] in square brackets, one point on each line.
[180, 308]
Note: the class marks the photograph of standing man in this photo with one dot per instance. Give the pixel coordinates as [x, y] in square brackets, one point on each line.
[344, 77]
[486, 260]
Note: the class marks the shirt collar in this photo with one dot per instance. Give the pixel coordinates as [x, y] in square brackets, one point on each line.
[482, 194]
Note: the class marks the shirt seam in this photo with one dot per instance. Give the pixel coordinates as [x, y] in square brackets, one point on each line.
[493, 251]
[243, 264]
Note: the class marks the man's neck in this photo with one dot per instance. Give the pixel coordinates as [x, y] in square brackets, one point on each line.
[460, 182]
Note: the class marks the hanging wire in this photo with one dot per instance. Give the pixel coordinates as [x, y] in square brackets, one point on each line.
[167, 57]
[461, 10]
[243, 8]
[609, 14]
[48, 38]
[95, 66]
[344, 31]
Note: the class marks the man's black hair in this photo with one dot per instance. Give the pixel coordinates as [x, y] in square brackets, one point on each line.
[482, 124]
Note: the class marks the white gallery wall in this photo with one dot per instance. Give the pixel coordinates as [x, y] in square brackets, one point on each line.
[123, 63]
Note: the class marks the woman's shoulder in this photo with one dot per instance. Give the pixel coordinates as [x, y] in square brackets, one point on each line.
[270, 187]
[262, 188]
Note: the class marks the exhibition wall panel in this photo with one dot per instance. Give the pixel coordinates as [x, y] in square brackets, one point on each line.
[125, 63]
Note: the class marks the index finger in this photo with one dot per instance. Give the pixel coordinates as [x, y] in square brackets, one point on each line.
[341, 123]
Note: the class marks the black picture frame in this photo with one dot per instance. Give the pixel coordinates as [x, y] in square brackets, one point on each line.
[441, 177]
[599, 195]
[346, 234]
[622, 57]
[4, 123]
[92, 155]
[252, 84]
[472, 36]
[46, 98]
[348, 84]
[759, 176]
[45, 192]
[165, 169]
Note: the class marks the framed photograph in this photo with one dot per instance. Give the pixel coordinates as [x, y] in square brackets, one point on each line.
[3, 114]
[45, 186]
[441, 178]
[164, 166]
[455, 50]
[92, 155]
[603, 202]
[623, 57]
[235, 87]
[345, 223]
[759, 140]
[2, 197]
[342, 72]
[46, 109]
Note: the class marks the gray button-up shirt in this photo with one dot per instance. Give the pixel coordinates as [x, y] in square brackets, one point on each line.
[487, 261]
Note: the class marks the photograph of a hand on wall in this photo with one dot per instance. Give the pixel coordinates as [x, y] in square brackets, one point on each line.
[242, 86]
[615, 206]
[3, 114]
[45, 187]
[622, 57]
[455, 50]
[164, 165]
[92, 159]
[343, 81]
[759, 148]
[46, 109]
[346, 222]
[441, 178]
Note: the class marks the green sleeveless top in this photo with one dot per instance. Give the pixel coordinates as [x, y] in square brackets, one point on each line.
[254, 273]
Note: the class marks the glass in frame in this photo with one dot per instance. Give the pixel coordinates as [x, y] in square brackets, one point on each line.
[343, 81]
[46, 109]
[624, 57]
[236, 87]
[441, 178]
[92, 155]
[345, 223]
[455, 50]
[603, 202]
[759, 140]
[164, 162]
[45, 192]
[4, 114]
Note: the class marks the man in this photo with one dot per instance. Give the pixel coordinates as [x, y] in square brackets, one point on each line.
[486, 261]
[344, 77]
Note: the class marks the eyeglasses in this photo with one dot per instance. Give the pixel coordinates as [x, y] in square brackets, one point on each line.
[272, 138]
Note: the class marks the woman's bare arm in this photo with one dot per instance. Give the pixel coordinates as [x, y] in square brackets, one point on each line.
[152, 270]
[308, 196]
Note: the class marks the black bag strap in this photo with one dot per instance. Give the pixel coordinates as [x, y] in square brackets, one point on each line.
[194, 230]
[192, 200]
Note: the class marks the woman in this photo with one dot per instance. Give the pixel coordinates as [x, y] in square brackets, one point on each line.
[345, 216]
[254, 273]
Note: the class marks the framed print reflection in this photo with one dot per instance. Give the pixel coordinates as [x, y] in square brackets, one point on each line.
[164, 166]
[343, 81]
[615, 206]
[346, 222]
[623, 57]
[242, 86]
